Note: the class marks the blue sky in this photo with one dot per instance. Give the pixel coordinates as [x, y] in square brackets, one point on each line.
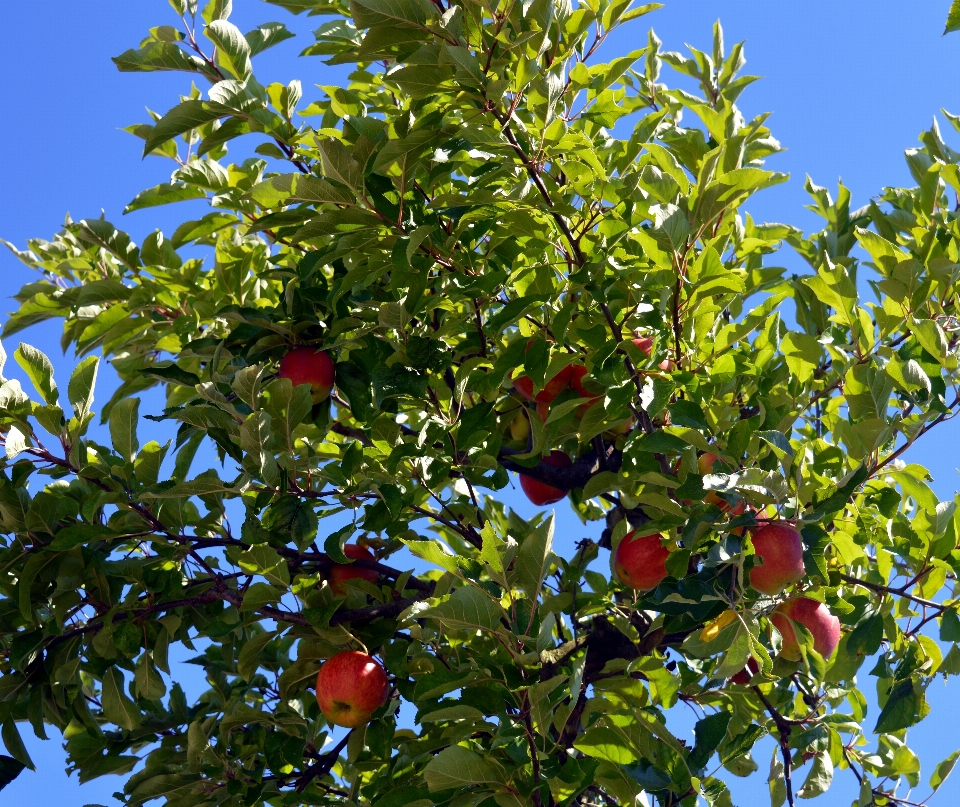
[851, 85]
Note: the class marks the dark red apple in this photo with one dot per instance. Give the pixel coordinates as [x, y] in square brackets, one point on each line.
[341, 572]
[540, 493]
[351, 686]
[641, 563]
[778, 547]
[815, 617]
[307, 365]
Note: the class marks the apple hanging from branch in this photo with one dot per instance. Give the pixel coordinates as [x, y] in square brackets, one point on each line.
[307, 365]
[815, 617]
[778, 547]
[341, 572]
[641, 562]
[351, 686]
[540, 493]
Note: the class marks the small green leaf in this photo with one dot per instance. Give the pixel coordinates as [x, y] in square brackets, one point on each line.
[81, 386]
[10, 769]
[117, 706]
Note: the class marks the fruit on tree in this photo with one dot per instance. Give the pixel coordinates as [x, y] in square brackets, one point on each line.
[743, 677]
[351, 686]
[641, 562]
[779, 550]
[341, 572]
[520, 427]
[645, 345]
[540, 493]
[815, 617]
[307, 365]
[554, 386]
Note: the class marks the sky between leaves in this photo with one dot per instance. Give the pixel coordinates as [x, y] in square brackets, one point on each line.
[850, 84]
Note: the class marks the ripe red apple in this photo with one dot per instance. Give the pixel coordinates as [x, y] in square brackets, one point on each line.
[540, 493]
[640, 563]
[307, 365]
[743, 677]
[815, 617]
[341, 572]
[778, 547]
[554, 386]
[351, 686]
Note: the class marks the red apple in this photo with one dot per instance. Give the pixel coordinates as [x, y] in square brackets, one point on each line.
[815, 617]
[540, 493]
[640, 563]
[743, 677]
[307, 365]
[778, 547]
[554, 386]
[341, 572]
[645, 345]
[351, 686]
[705, 463]
[577, 374]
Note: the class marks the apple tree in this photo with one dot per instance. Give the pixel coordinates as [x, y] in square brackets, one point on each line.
[516, 258]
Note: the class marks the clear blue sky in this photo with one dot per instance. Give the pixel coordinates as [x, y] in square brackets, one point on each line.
[851, 84]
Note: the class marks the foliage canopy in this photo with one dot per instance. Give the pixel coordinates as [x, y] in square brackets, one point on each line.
[483, 198]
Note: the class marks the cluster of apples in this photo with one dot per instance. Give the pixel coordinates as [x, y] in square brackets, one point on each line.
[640, 563]
[569, 378]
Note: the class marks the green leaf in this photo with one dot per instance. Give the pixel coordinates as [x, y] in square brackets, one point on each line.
[742, 743]
[13, 743]
[942, 771]
[708, 734]
[164, 194]
[258, 595]
[265, 561]
[906, 706]
[249, 660]
[607, 744]
[819, 779]
[953, 18]
[39, 370]
[435, 553]
[117, 706]
[457, 767]
[202, 486]
[83, 380]
[10, 769]
[188, 115]
[233, 52]
[534, 557]
[468, 608]
[256, 440]
[217, 10]
[123, 427]
[266, 35]
[161, 56]
[148, 681]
